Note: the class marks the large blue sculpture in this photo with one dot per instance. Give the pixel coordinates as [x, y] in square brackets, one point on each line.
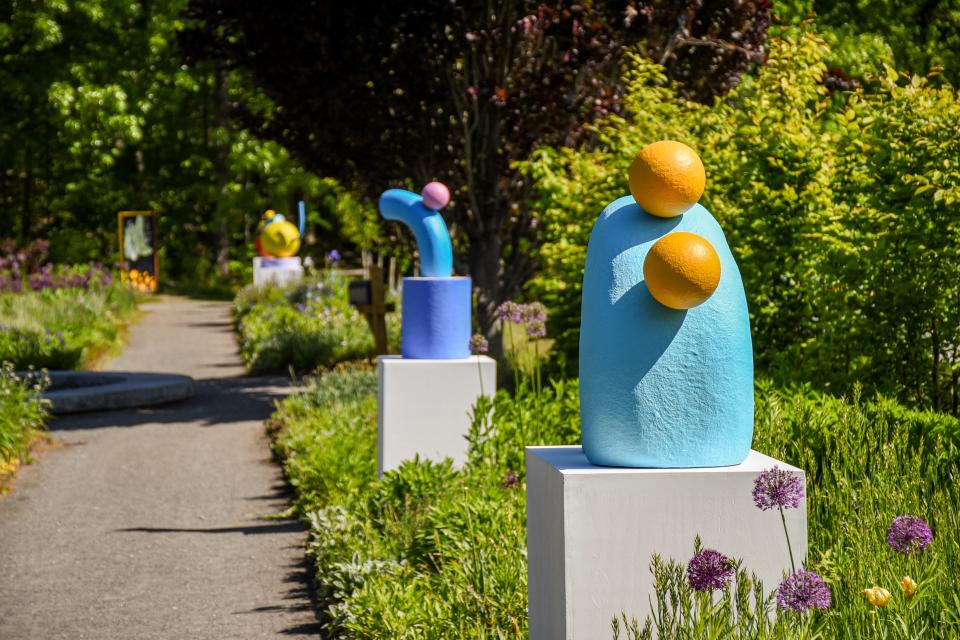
[436, 307]
[666, 362]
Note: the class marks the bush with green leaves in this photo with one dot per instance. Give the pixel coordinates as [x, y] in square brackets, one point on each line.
[22, 415]
[840, 208]
[65, 328]
[432, 552]
[303, 327]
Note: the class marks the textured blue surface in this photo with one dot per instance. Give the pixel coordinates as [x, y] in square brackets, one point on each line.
[429, 229]
[436, 318]
[660, 387]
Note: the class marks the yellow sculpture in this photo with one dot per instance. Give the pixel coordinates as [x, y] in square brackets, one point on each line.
[277, 237]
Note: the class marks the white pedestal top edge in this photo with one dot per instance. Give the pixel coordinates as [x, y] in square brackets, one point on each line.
[570, 460]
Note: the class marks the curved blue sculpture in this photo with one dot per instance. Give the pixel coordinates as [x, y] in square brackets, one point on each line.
[429, 229]
[436, 307]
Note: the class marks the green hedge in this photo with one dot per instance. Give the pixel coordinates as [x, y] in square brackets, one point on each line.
[304, 327]
[64, 328]
[430, 552]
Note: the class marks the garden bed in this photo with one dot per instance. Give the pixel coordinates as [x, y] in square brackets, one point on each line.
[431, 552]
[22, 418]
[64, 327]
[303, 327]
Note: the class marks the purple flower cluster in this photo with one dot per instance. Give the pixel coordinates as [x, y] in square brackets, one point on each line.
[778, 488]
[510, 311]
[802, 591]
[29, 266]
[709, 570]
[909, 534]
[532, 315]
[479, 344]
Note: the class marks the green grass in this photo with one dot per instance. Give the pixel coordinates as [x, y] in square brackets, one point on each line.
[303, 327]
[63, 328]
[22, 416]
[430, 552]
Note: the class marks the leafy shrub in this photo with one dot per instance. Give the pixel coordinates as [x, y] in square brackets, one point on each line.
[304, 327]
[24, 348]
[839, 207]
[22, 416]
[432, 552]
[62, 328]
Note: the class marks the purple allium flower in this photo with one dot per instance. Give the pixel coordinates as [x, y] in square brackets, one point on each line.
[709, 570]
[778, 488]
[333, 257]
[909, 534]
[479, 344]
[536, 329]
[533, 312]
[509, 311]
[802, 591]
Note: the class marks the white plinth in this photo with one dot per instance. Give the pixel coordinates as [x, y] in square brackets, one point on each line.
[591, 532]
[289, 272]
[424, 407]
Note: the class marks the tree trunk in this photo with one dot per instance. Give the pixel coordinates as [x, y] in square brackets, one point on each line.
[25, 211]
[222, 227]
[484, 257]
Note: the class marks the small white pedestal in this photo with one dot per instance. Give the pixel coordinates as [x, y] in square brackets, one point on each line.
[591, 532]
[277, 271]
[424, 407]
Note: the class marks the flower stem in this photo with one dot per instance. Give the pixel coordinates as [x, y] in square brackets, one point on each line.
[786, 534]
[480, 373]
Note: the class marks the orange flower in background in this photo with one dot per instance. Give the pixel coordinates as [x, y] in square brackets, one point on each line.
[878, 596]
[909, 586]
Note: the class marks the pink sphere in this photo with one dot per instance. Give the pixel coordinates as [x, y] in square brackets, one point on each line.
[435, 196]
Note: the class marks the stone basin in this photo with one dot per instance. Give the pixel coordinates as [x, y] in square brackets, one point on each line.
[76, 391]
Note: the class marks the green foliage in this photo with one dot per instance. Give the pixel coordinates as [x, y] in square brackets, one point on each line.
[63, 328]
[920, 35]
[22, 416]
[840, 210]
[432, 552]
[305, 327]
[24, 348]
[101, 114]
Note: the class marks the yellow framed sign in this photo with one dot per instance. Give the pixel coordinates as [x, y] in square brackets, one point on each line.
[139, 264]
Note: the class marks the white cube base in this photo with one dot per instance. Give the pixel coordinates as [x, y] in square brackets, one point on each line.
[424, 407]
[591, 532]
[291, 272]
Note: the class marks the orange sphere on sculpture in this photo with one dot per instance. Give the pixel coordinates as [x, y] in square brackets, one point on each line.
[667, 178]
[681, 270]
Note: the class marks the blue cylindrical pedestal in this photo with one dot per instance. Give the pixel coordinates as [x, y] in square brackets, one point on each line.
[436, 318]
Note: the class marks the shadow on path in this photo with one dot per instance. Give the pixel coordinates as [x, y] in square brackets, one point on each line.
[217, 401]
[286, 526]
[300, 598]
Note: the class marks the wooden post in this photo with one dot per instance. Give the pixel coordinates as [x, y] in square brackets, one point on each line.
[377, 313]
[370, 299]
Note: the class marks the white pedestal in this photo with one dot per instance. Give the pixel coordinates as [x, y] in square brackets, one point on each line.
[424, 407]
[282, 272]
[591, 532]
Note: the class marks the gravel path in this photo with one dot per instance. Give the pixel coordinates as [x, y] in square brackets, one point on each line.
[144, 524]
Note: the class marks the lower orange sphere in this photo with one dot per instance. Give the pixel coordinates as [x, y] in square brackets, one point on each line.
[681, 270]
